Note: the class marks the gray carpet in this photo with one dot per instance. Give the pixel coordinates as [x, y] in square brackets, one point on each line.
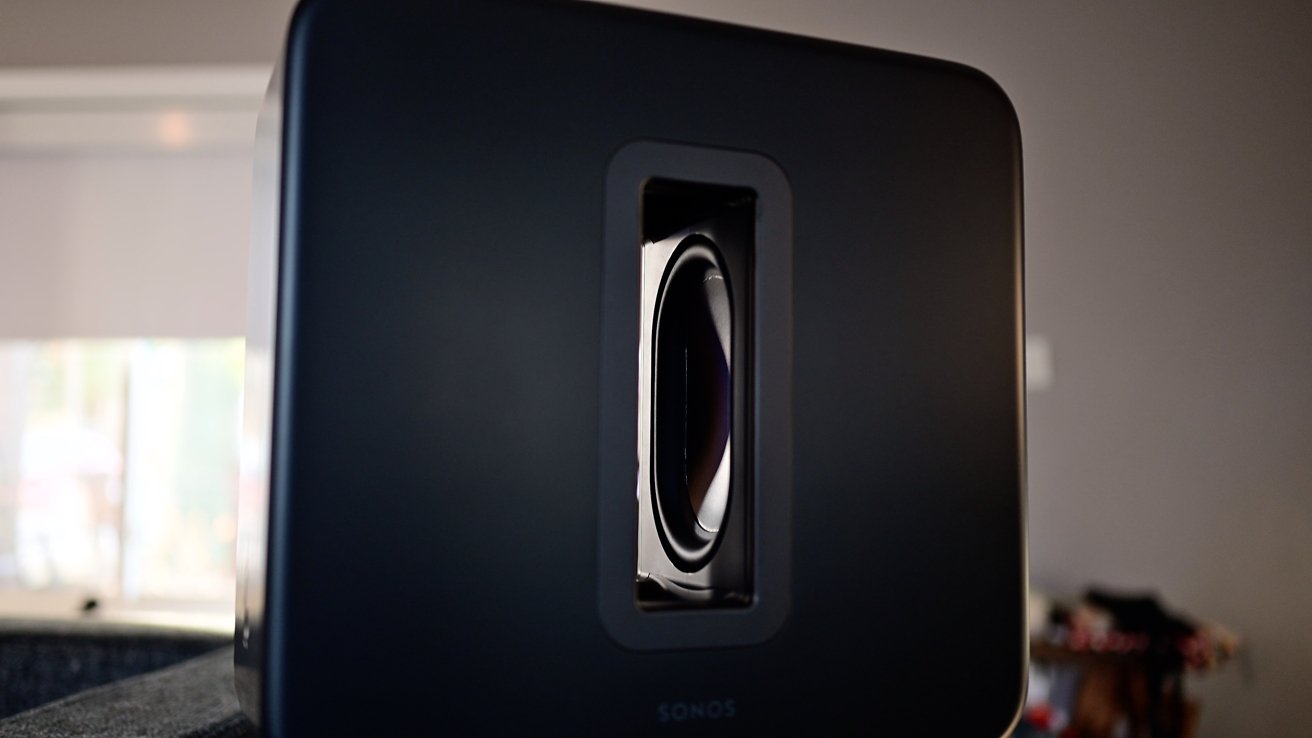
[44, 660]
[193, 699]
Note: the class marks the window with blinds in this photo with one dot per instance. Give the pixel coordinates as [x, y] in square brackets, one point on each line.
[125, 200]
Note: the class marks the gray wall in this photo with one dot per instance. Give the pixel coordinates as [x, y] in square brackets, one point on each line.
[1169, 257]
[140, 32]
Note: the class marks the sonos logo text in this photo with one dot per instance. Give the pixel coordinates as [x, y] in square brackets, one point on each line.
[679, 712]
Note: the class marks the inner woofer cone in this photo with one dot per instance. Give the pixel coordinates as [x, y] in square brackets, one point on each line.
[692, 401]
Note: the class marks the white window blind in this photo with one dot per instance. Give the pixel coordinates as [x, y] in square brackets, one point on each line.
[125, 200]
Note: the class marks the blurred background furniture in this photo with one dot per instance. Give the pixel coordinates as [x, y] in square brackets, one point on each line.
[1114, 666]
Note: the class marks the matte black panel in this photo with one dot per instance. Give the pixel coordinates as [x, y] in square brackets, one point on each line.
[433, 553]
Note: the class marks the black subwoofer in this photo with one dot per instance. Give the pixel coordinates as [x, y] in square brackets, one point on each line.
[614, 374]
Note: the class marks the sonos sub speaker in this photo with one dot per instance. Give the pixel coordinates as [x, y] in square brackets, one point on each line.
[613, 373]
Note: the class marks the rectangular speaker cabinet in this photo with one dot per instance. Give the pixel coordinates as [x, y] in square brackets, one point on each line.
[614, 373]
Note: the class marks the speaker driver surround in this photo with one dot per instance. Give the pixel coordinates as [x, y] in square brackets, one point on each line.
[692, 389]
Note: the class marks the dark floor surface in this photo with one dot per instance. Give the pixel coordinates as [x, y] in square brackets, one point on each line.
[100, 679]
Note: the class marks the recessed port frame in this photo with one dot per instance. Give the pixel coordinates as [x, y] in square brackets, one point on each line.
[630, 168]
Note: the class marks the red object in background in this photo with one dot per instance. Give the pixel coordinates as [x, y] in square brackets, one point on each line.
[1040, 716]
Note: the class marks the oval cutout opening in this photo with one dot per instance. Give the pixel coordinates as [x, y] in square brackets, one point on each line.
[692, 414]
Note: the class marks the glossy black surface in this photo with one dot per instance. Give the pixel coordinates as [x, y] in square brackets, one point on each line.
[435, 487]
[693, 393]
